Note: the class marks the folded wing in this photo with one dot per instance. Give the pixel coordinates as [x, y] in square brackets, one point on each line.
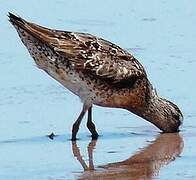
[87, 53]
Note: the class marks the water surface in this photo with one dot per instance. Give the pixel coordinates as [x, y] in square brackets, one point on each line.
[161, 34]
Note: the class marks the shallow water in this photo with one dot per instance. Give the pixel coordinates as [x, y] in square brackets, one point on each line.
[161, 34]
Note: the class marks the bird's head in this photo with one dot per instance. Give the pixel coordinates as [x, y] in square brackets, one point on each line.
[173, 114]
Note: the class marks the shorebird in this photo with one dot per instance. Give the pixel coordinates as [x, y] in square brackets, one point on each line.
[99, 72]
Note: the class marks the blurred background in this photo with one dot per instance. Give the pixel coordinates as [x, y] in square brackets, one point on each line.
[160, 34]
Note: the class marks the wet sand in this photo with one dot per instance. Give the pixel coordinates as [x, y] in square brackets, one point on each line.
[161, 34]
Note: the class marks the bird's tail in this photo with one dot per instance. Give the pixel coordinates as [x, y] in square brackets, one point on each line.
[41, 33]
[16, 21]
[36, 38]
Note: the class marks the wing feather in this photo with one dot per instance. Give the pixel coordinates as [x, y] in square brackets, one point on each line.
[101, 58]
[87, 53]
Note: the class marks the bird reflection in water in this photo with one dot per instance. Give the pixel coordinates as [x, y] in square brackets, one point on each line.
[144, 164]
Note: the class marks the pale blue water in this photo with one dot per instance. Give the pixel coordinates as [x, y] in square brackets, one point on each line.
[161, 34]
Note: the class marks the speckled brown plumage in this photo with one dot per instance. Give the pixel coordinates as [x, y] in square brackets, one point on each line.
[97, 71]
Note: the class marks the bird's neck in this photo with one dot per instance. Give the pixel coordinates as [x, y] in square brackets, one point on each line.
[155, 111]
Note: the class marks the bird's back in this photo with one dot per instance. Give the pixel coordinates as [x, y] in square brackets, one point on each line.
[94, 69]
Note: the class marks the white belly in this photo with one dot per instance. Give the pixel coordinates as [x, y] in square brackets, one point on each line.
[73, 82]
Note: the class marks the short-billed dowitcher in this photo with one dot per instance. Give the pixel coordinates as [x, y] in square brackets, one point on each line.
[97, 71]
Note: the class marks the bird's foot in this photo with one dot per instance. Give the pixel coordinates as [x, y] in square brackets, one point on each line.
[74, 138]
[95, 136]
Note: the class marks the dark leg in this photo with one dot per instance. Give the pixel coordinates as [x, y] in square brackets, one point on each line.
[76, 125]
[91, 125]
